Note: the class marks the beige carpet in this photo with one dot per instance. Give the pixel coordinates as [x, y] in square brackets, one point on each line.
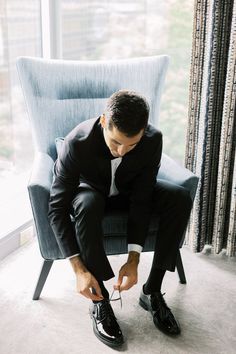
[59, 323]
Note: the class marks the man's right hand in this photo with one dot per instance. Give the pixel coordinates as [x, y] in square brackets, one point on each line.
[85, 280]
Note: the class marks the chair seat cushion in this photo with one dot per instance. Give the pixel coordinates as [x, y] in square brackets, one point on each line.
[115, 224]
[115, 233]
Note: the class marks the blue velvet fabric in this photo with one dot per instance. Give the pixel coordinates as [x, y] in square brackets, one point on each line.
[59, 95]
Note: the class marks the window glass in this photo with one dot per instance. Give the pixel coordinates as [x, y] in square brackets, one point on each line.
[19, 36]
[120, 29]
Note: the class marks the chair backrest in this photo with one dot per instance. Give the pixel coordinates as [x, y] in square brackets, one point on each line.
[60, 94]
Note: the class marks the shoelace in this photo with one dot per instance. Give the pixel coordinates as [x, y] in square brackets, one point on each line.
[106, 309]
[118, 298]
[159, 303]
[106, 312]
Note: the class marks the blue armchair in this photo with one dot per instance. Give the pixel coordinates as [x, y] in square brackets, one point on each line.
[59, 95]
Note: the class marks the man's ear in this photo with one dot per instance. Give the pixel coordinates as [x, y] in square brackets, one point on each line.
[103, 120]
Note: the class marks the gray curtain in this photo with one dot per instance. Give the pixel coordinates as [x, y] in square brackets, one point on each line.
[211, 135]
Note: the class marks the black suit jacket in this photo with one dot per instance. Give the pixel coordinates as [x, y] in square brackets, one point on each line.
[85, 157]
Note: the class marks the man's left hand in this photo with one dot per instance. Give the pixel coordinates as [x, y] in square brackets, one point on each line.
[130, 271]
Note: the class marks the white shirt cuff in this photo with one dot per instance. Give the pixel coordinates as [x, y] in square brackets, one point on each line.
[72, 256]
[134, 247]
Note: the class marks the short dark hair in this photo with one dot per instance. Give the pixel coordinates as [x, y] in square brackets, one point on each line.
[128, 111]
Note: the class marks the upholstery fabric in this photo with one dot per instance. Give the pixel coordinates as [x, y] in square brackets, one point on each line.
[59, 95]
[211, 137]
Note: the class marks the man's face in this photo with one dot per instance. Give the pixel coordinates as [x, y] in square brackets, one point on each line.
[118, 143]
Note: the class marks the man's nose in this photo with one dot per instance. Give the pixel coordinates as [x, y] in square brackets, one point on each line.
[121, 150]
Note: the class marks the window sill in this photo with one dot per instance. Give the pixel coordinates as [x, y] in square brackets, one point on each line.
[16, 238]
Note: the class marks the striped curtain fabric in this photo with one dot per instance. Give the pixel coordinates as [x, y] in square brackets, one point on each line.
[211, 135]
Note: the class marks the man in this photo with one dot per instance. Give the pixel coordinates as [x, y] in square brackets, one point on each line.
[111, 162]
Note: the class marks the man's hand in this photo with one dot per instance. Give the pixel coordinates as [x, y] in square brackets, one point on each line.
[85, 280]
[129, 270]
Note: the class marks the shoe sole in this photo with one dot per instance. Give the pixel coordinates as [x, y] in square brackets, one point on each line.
[146, 308]
[103, 340]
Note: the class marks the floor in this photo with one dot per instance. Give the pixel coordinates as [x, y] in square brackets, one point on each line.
[58, 323]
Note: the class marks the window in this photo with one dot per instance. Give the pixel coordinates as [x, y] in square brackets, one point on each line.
[120, 29]
[19, 35]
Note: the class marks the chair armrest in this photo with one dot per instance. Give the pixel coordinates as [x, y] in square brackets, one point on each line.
[39, 191]
[173, 172]
[41, 174]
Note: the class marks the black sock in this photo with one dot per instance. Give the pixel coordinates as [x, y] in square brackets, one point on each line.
[105, 293]
[154, 282]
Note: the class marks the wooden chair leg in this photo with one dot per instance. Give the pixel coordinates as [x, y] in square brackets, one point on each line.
[180, 269]
[42, 278]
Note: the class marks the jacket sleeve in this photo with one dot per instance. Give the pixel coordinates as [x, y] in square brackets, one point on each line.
[64, 186]
[141, 198]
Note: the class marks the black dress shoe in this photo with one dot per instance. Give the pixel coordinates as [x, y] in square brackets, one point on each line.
[105, 326]
[162, 315]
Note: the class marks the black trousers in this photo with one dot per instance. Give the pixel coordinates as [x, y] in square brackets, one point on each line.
[171, 202]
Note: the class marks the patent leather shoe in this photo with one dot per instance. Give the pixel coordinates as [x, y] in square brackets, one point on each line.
[105, 325]
[162, 316]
